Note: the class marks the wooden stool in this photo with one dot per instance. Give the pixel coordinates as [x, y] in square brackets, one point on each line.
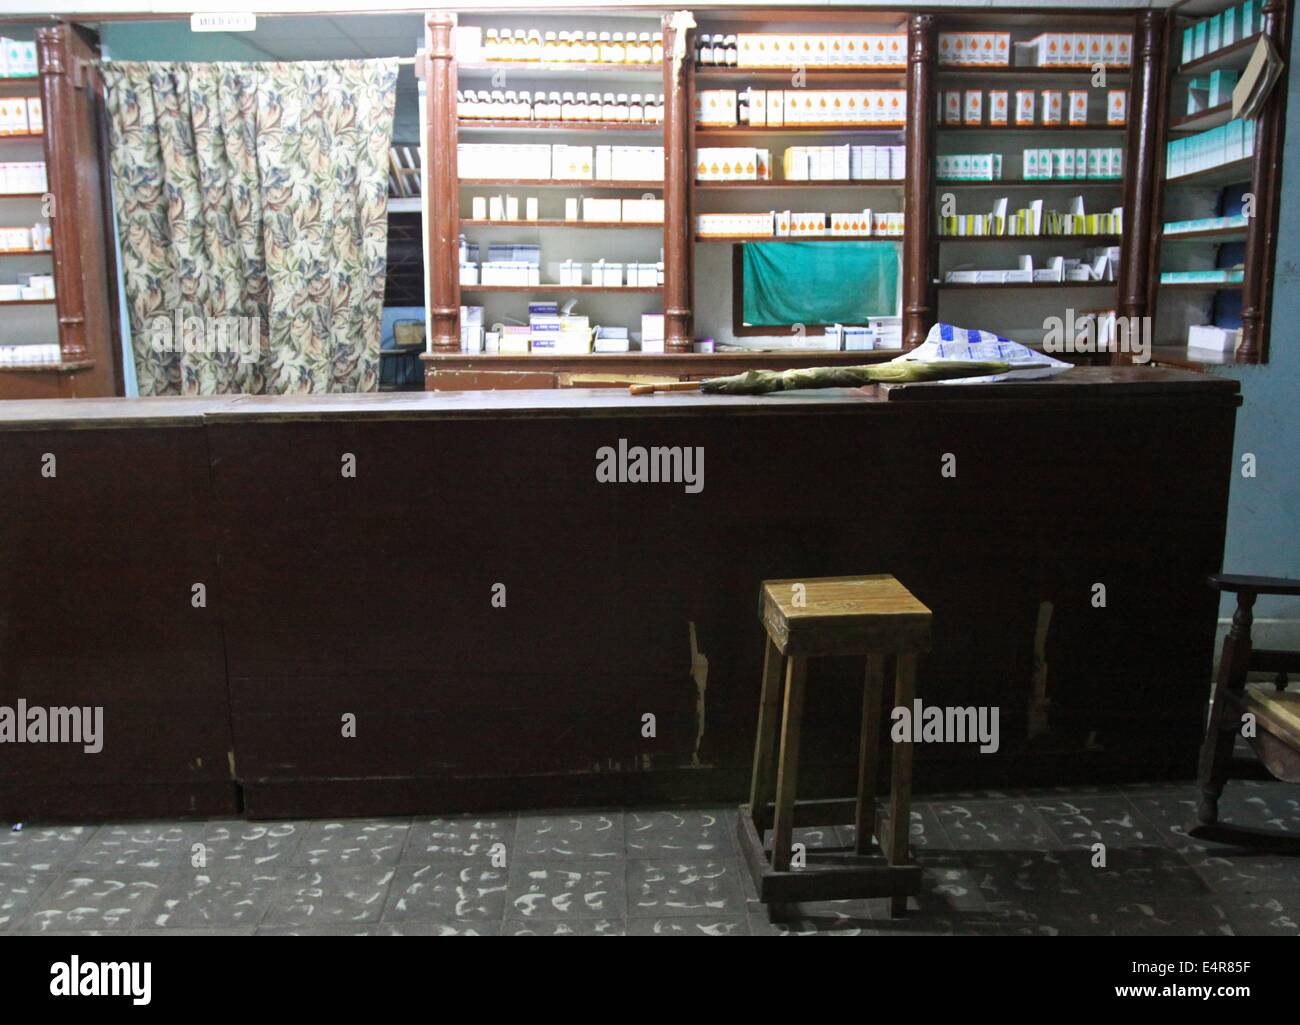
[874, 616]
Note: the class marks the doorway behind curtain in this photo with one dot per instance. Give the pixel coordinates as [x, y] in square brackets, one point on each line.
[251, 202]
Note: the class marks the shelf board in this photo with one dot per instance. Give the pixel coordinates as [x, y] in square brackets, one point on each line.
[723, 131]
[558, 223]
[22, 195]
[1052, 129]
[1016, 71]
[1213, 235]
[1235, 173]
[1202, 286]
[798, 238]
[16, 79]
[550, 287]
[1210, 117]
[966, 286]
[503, 124]
[26, 302]
[404, 204]
[62, 367]
[866, 75]
[838, 183]
[1051, 183]
[1182, 355]
[15, 136]
[560, 183]
[1235, 56]
[26, 252]
[1096, 240]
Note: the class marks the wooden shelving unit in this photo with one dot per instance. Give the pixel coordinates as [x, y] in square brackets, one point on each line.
[1175, 306]
[79, 319]
[925, 255]
[960, 302]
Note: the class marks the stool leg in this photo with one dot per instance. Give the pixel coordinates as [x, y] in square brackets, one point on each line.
[762, 787]
[1216, 749]
[900, 793]
[872, 697]
[788, 771]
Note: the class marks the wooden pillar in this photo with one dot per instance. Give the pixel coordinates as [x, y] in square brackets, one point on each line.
[679, 246]
[1142, 142]
[443, 184]
[920, 308]
[59, 103]
[1265, 186]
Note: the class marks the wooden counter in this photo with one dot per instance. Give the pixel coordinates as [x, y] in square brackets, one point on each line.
[371, 595]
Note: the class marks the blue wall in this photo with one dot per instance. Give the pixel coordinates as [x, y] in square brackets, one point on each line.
[172, 41]
[1264, 514]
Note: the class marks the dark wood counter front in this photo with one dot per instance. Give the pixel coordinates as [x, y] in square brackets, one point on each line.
[331, 596]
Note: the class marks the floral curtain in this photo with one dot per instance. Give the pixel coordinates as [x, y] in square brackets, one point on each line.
[251, 205]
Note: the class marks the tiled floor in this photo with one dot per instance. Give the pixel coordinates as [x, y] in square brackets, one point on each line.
[1014, 863]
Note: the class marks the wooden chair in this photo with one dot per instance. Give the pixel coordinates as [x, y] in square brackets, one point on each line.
[872, 616]
[1275, 712]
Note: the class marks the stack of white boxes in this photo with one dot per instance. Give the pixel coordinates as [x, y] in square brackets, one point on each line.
[21, 115]
[1076, 50]
[844, 163]
[652, 332]
[22, 177]
[852, 50]
[561, 162]
[1223, 145]
[732, 163]
[1226, 28]
[17, 58]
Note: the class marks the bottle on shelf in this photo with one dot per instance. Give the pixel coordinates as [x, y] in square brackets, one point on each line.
[731, 52]
[657, 49]
[704, 51]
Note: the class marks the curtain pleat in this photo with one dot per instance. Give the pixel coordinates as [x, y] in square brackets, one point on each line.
[251, 202]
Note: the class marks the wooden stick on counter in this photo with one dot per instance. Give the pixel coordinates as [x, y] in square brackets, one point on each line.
[650, 389]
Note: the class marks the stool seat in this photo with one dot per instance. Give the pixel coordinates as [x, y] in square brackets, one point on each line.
[843, 616]
[871, 616]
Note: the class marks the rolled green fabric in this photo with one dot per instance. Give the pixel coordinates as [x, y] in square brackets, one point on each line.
[761, 382]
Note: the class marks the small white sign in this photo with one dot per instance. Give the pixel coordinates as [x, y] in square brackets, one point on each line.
[225, 22]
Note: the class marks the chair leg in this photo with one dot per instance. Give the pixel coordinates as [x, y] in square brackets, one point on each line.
[900, 792]
[762, 787]
[1216, 750]
[787, 774]
[872, 698]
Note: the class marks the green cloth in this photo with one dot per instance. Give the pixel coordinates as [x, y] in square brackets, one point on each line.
[819, 282]
[762, 382]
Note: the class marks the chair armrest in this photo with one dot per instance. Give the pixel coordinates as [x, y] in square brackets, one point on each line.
[1254, 585]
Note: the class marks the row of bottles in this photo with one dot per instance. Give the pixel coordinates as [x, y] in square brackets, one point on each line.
[574, 47]
[553, 106]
